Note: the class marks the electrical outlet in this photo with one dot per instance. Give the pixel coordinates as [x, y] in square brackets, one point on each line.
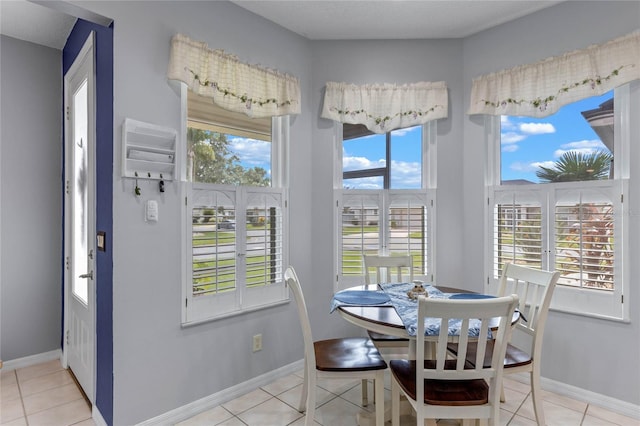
[257, 342]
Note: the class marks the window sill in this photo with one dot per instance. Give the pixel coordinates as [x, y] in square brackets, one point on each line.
[193, 323]
[591, 315]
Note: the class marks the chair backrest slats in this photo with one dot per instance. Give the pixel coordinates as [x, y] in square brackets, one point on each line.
[535, 288]
[488, 318]
[387, 269]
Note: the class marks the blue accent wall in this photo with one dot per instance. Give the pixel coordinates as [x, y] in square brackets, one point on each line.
[104, 200]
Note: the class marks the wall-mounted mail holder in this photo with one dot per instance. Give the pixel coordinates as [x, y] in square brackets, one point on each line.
[148, 151]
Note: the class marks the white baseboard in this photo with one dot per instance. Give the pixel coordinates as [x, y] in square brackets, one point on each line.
[30, 360]
[97, 416]
[196, 407]
[622, 407]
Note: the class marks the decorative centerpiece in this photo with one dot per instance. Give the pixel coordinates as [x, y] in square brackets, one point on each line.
[417, 290]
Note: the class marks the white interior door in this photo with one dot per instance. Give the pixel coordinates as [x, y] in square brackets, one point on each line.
[79, 342]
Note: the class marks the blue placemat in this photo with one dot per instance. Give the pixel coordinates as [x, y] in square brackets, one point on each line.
[359, 298]
[362, 297]
[470, 296]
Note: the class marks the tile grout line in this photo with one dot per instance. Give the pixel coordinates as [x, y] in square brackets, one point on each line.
[24, 409]
[515, 413]
[584, 415]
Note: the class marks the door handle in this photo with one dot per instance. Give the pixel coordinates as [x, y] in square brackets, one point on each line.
[89, 275]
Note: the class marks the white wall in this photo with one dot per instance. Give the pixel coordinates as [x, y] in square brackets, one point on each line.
[30, 190]
[588, 353]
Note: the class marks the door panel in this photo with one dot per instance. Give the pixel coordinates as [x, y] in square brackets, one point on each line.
[79, 345]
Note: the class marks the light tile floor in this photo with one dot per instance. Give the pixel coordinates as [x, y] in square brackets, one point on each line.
[45, 394]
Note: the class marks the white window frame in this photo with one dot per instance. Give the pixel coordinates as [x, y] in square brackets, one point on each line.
[197, 310]
[580, 301]
[383, 199]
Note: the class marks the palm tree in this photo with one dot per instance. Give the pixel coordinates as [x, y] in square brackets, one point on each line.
[576, 166]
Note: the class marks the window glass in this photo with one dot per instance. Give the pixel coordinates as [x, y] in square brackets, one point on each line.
[226, 158]
[364, 153]
[406, 158]
[389, 161]
[226, 148]
[574, 144]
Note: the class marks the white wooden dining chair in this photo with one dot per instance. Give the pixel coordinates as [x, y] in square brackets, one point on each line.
[535, 288]
[346, 358]
[386, 269]
[445, 388]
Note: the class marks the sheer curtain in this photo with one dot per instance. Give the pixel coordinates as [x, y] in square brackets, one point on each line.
[541, 88]
[233, 85]
[384, 107]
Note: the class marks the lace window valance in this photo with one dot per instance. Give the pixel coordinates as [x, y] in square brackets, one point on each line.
[384, 107]
[233, 85]
[540, 89]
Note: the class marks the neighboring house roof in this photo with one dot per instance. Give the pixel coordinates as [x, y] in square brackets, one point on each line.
[516, 182]
[601, 121]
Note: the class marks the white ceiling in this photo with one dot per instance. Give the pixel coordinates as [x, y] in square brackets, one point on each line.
[38, 24]
[390, 19]
[316, 20]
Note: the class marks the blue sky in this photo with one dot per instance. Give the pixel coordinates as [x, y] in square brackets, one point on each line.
[252, 152]
[526, 144]
[529, 142]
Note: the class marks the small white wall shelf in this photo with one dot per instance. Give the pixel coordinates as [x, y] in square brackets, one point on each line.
[148, 150]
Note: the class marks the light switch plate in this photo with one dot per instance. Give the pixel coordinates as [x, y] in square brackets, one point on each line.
[151, 211]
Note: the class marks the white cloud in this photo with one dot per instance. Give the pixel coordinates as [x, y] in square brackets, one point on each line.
[365, 183]
[359, 163]
[403, 174]
[585, 143]
[537, 128]
[505, 123]
[511, 137]
[252, 152]
[585, 146]
[584, 151]
[548, 164]
[530, 167]
[406, 174]
[510, 147]
[402, 132]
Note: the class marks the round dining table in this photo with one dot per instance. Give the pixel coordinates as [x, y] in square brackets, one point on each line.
[382, 319]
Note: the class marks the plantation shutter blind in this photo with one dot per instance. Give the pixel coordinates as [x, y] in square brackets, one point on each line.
[518, 230]
[213, 253]
[407, 220]
[585, 240]
[360, 229]
[264, 251]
